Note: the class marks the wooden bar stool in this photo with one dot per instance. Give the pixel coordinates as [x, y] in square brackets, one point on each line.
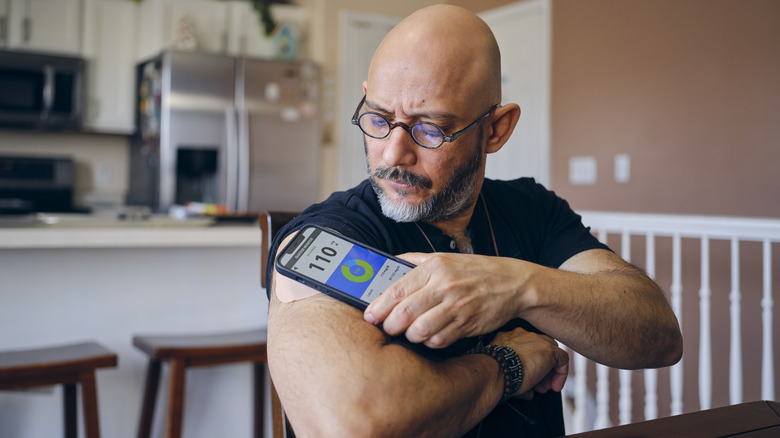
[67, 365]
[190, 350]
[194, 350]
[270, 223]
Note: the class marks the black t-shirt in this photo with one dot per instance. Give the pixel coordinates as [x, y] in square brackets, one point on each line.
[529, 223]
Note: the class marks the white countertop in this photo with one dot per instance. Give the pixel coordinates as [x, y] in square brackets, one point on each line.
[234, 236]
[101, 233]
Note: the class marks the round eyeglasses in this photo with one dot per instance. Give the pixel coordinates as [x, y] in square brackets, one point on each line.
[426, 134]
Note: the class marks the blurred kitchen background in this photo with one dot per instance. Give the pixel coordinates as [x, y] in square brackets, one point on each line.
[671, 95]
[663, 106]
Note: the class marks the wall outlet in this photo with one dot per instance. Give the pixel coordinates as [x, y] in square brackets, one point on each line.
[622, 168]
[582, 170]
[102, 175]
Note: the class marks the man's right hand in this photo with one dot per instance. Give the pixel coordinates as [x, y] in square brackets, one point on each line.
[545, 365]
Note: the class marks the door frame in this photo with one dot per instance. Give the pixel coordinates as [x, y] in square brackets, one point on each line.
[523, 9]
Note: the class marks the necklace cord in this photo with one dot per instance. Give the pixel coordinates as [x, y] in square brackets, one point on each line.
[490, 225]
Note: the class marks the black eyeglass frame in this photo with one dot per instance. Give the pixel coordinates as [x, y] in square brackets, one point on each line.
[445, 138]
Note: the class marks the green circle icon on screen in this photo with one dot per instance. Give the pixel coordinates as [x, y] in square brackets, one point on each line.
[358, 271]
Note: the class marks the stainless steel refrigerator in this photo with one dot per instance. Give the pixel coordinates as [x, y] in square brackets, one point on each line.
[239, 132]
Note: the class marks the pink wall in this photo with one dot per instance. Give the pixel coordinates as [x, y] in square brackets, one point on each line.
[690, 90]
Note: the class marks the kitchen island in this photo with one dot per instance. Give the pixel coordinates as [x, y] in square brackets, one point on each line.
[109, 282]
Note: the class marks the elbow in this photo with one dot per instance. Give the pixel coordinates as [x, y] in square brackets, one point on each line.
[668, 341]
[675, 350]
[349, 422]
[669, 350]
[663, 349]
[341, 417]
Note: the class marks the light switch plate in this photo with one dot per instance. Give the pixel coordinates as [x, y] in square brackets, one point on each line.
[622, 168]
[582, 170]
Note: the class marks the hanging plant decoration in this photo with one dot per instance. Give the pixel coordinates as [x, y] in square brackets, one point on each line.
[263, 9]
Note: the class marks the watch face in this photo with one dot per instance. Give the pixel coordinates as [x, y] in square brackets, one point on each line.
[512, 367]
[508, 361]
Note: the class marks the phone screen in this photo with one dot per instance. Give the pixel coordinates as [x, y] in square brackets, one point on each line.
[339, 264]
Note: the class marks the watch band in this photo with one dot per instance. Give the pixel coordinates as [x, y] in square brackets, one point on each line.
[508, 361]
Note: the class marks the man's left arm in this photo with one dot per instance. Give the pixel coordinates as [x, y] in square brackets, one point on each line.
[595, 303]
[607, 310]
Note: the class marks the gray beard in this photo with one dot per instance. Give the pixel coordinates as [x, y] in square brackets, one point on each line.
[455, 198]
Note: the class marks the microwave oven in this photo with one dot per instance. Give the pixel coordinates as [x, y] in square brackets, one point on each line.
[40, 91]
[35, 184]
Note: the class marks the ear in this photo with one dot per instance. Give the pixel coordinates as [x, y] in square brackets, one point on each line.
[365, 86]
[504, 120]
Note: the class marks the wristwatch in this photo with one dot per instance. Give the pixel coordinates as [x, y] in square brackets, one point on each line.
[508, 361]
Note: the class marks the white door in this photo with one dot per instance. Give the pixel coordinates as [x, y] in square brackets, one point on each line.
[523, 33]
[522, 30]
[361, 35]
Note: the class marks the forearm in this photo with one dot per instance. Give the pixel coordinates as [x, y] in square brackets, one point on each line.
[338, 376]
[618, 317]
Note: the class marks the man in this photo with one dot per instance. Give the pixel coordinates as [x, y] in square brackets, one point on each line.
[503, 268]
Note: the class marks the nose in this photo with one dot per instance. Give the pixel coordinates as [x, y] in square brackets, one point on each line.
[398, 148]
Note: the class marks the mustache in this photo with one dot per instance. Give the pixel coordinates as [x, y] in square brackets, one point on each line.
[404, 176]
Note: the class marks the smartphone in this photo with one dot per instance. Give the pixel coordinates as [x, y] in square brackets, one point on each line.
[339, 266]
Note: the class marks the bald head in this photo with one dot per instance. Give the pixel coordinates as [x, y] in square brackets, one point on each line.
[441, 50]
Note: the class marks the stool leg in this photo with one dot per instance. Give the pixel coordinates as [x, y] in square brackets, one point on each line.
[176, 399]
[69, 412]
[89, 404]
[150, 396]
[258, 369]
[277, 415]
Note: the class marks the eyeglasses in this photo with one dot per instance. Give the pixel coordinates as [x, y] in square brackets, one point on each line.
[425, 134]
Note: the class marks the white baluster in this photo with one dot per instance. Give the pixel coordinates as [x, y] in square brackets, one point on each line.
[705, 351]
[580, 393]
[651, 394]
[706, 228]
[676, 372]
[624, 400]
[735, 354]
[603, 236]
[767, 354]
[625, 246]
[602, 397]
[651, 376]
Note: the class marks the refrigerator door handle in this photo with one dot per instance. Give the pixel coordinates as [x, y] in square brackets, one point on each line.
[231, 156]
[243, 159]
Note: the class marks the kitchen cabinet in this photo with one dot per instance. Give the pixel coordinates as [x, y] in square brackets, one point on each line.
[217, 26]
[109, 47]
[182, 24]
[197, 24]
[41, 25]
